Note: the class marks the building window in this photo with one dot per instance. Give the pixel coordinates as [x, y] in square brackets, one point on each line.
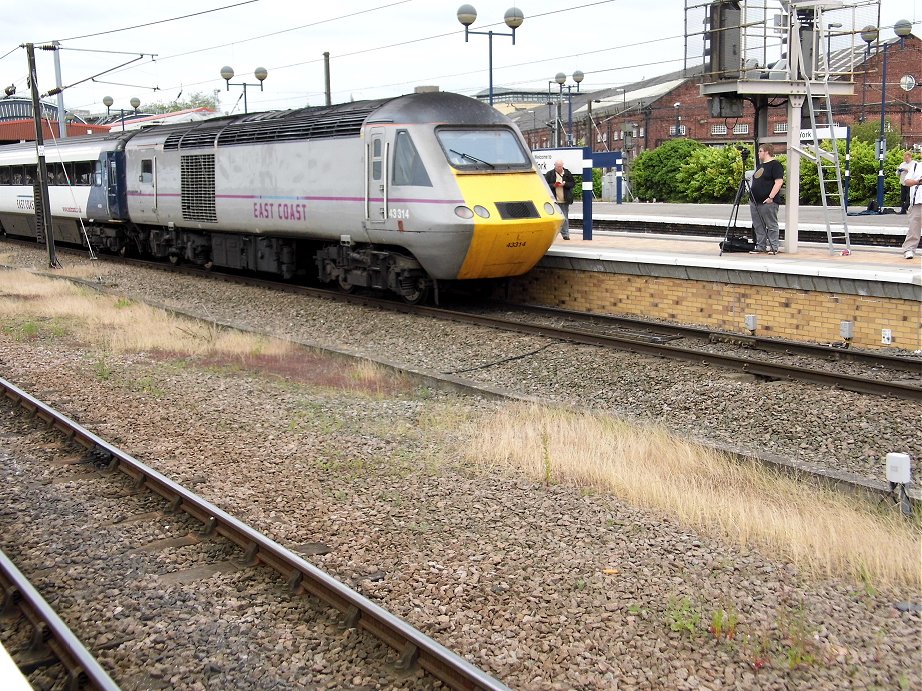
[672, 131]
[740, 129]
[718, 129]
[781, 127]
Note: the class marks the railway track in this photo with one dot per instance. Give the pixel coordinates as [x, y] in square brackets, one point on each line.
[818, 364]
[650, 338]
[219, 531]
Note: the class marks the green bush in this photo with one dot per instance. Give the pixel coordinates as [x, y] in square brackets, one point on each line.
[683, 170]
[711, 175]
[654, 174]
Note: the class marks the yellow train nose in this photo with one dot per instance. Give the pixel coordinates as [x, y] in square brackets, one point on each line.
[518, 230]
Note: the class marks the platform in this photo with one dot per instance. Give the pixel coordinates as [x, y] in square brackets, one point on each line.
[713, 219]
[811, 295]
[872, 271]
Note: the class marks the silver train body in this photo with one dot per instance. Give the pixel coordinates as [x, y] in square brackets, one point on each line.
[391, 194]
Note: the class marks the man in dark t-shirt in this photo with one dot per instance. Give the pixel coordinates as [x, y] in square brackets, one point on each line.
[766, 183]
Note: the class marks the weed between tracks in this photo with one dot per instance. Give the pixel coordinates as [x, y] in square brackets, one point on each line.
[822, 531]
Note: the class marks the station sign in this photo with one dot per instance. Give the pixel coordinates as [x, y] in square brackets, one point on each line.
[572, 158]
[824, 133]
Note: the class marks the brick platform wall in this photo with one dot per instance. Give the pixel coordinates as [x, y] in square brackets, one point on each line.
[781, 312]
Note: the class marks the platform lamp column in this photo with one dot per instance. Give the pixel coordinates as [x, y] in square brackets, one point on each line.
[870, 34]
[107, 101]
[227, 73]
[678, 119]
[561, 79]
[833, 25]
[513, 18]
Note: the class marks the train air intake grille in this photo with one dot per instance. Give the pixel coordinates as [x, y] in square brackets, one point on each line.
[197, 188]
[509, 210]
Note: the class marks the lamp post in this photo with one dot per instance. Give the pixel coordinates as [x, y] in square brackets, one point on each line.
[135, 102]
[467, 15]
[227, 73]
[561, 79]
[870, 34]
[553, 113]
[832, 25]
[678, 119]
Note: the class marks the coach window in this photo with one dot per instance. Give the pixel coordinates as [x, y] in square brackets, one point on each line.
[408, 166]
[97, 173]
[29, 173]
[83, 173]
[6, 175]
[147, 171]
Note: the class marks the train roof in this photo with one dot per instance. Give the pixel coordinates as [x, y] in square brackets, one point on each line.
[82, 148]
[323, 122]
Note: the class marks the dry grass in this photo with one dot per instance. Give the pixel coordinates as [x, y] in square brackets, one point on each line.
[114, 324]
[820, 530]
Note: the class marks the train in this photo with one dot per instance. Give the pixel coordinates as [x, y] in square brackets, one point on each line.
[397, 194]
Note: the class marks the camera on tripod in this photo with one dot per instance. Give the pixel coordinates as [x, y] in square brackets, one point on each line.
[744, 152]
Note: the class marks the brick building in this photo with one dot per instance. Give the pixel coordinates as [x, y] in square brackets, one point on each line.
[643, 115]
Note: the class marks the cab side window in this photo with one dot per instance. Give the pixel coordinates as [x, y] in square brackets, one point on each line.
[408, 166]
[376, 158]
[147, 171]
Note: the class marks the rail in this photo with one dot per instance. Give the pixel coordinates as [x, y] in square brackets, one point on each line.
[413, 645]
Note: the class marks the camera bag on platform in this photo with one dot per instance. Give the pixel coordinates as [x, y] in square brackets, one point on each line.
[737, 244]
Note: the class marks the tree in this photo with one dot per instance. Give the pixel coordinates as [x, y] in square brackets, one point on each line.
[869, 132]
[196, 100]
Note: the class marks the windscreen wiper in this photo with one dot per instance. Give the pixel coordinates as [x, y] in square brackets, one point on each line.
[471, 158]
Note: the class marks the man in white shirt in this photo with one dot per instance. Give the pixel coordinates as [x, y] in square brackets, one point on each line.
[913, 181]
[901, 170]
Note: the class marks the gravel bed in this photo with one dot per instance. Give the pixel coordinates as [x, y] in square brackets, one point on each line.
[100, 563]
[838, 430]
[543, 587]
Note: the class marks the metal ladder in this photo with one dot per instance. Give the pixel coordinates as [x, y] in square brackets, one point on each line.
[828, 168]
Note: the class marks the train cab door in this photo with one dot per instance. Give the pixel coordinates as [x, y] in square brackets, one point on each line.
[376, 178]
[147, 185]
[111, 178]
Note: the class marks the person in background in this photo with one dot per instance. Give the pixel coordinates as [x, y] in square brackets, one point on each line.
[901, 170]
[561, 182]
[766, 183]
[912, 182]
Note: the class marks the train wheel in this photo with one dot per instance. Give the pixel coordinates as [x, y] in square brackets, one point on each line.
[417, 292]
[344, 284]
[174, 259]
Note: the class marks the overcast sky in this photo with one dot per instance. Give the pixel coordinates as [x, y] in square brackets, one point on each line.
[378, 48]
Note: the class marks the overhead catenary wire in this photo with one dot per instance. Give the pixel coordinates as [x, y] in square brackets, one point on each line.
[304, 96]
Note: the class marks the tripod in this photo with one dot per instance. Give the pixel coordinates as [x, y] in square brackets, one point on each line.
[738, 244]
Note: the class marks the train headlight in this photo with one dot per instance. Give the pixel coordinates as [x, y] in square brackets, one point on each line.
[548, 208]
[481, 211]
[463, 212]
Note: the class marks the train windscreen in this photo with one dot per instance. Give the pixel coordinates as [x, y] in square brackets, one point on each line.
[483, 149]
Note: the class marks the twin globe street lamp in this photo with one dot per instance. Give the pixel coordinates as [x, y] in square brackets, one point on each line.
[227, 73]
[467, 15]
[869, 35]
[107, 101]
[561, 80]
